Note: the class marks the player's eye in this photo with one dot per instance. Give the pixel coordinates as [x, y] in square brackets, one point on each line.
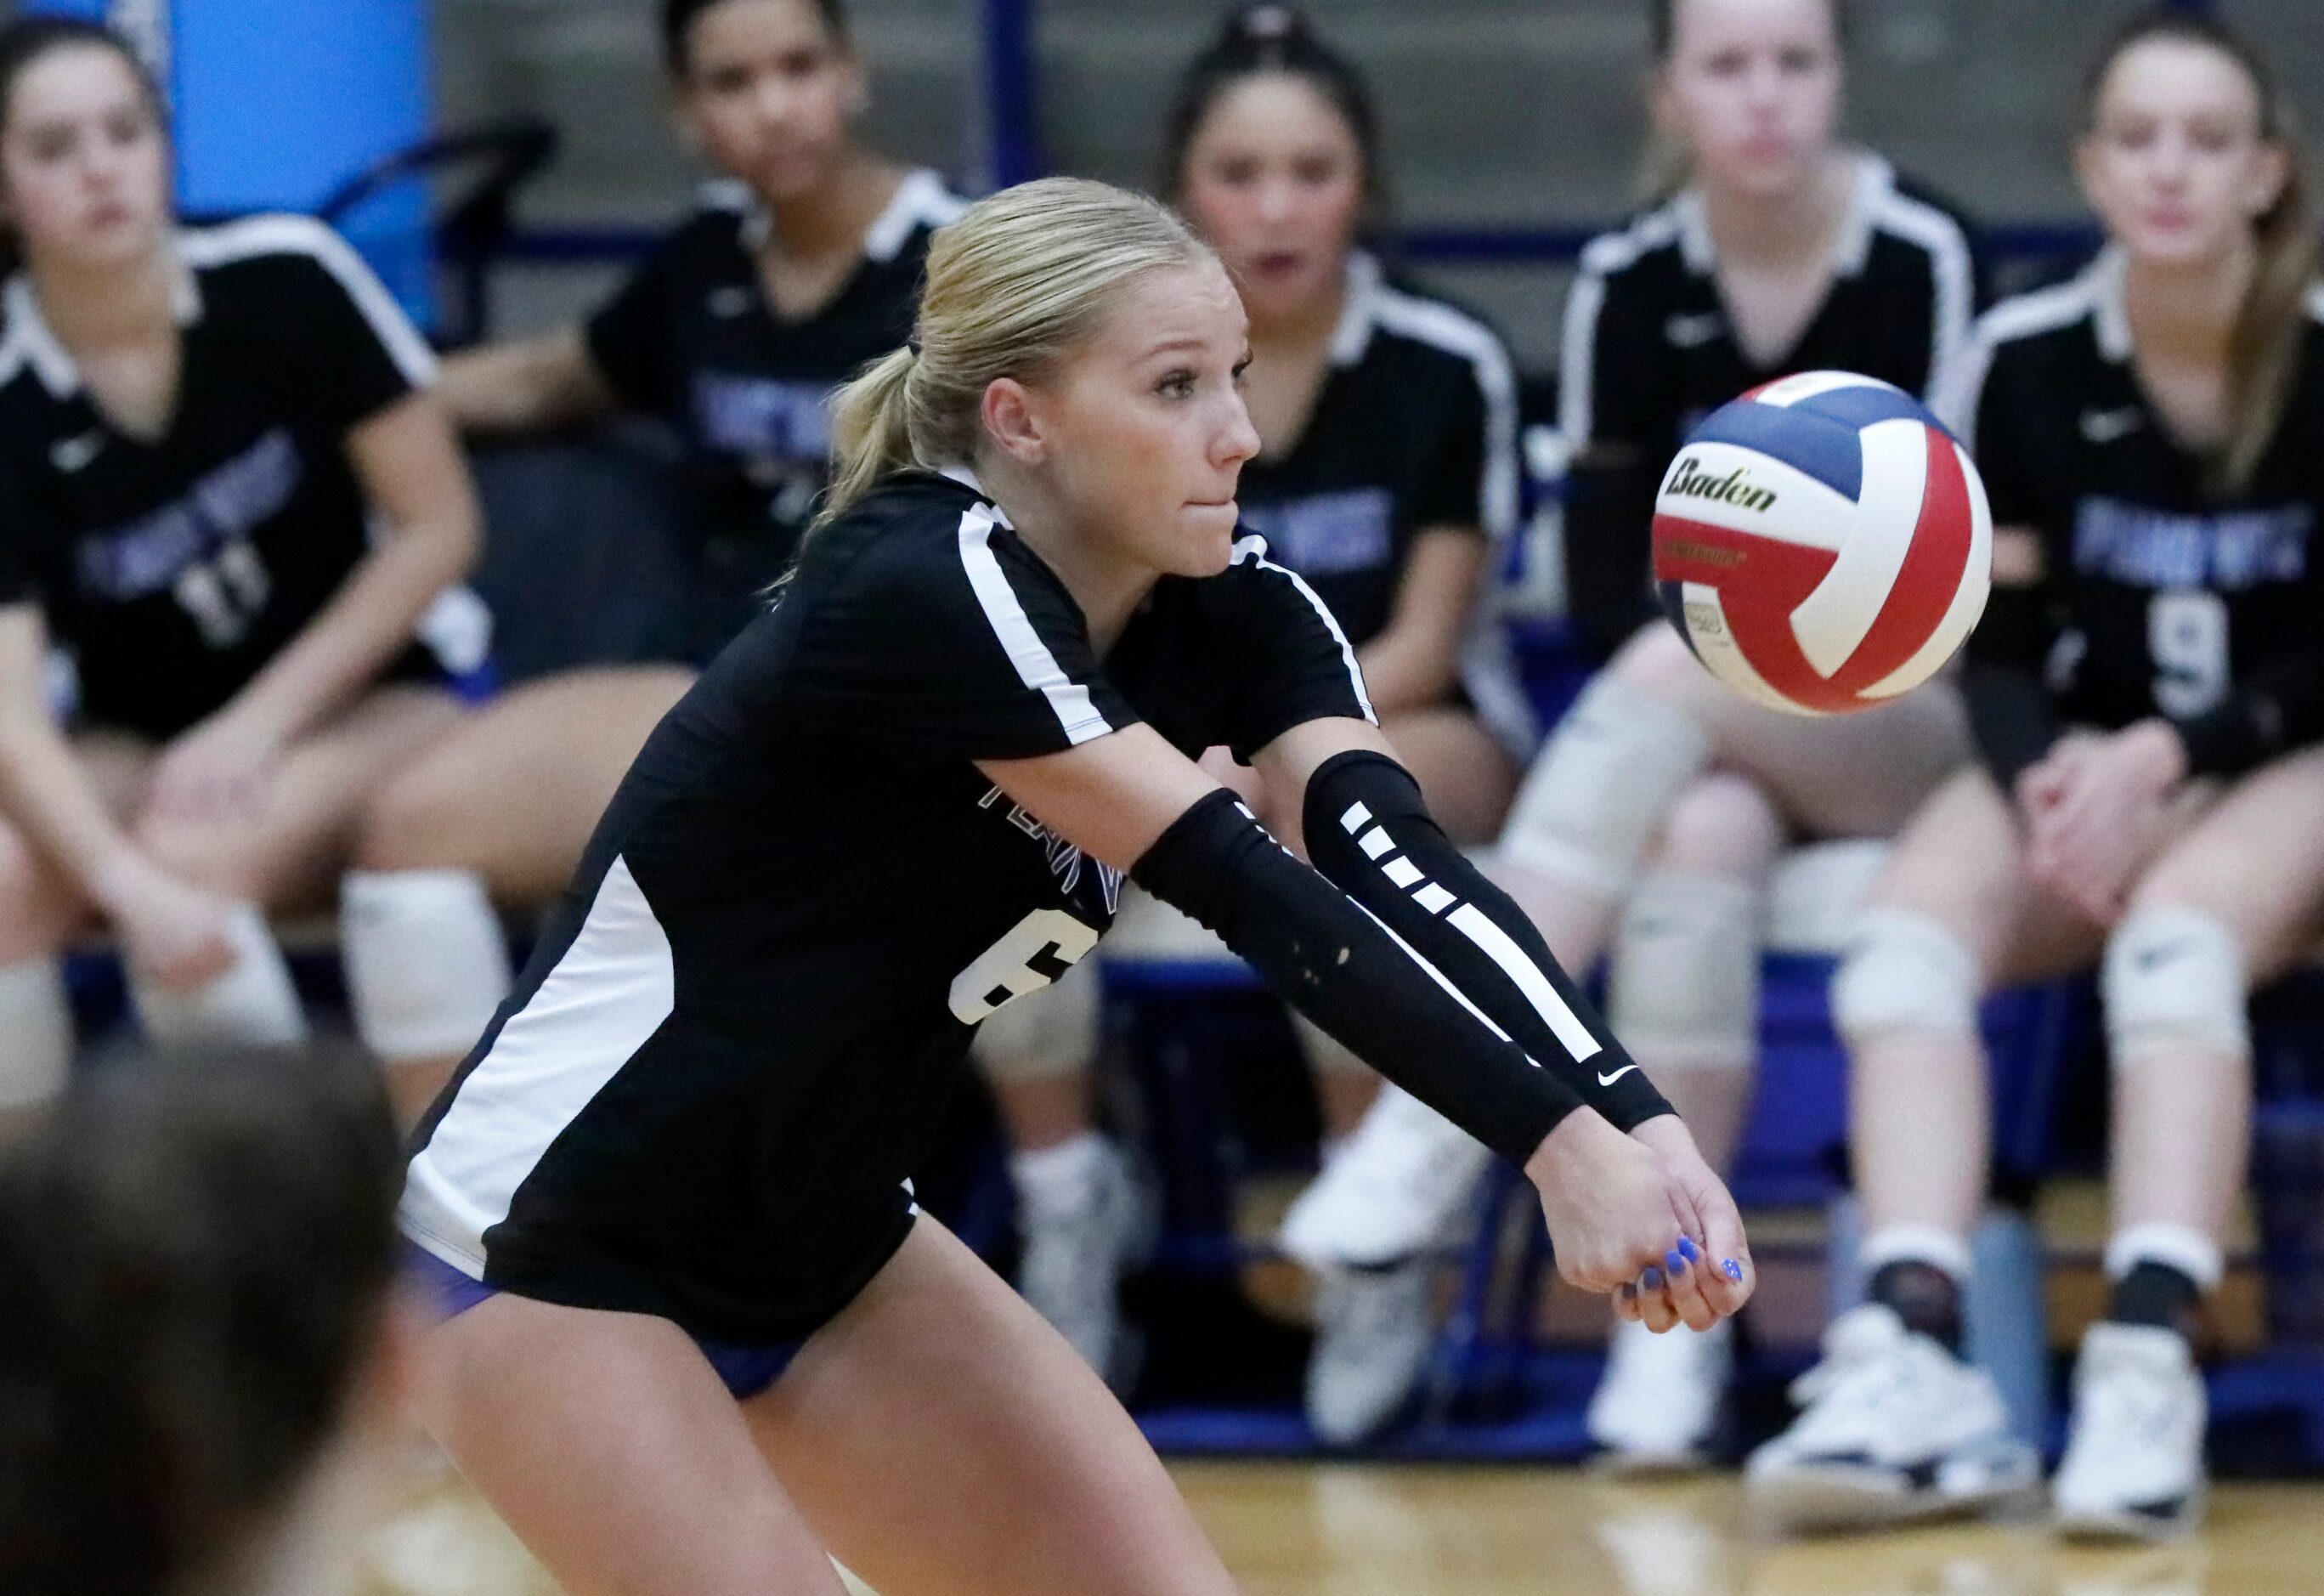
[1241, 369]
[1177, 384]
[726, 80]
[51, 143]
[802, 63]
[1801, 61]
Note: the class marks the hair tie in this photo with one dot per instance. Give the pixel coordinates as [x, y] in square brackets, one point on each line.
[912, 347]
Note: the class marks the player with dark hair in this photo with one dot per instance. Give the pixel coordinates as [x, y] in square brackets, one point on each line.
[2145, 686]
[227, 489]
[800, 266]
[1387, 479]
[697, 1333]
[201, 1355]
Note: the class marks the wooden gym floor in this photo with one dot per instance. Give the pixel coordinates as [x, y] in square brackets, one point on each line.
[1299, 1529]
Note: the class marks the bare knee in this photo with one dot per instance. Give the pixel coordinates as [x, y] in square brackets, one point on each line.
[234, 866]
[419, 820]
[1721, 825]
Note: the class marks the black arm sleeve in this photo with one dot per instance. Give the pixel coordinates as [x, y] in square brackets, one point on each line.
[1369, 830]
[2279, 709]
[2010, 714]
[1343, 969]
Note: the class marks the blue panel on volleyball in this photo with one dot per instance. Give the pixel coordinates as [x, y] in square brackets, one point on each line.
[1831, 455]
[278, 102]
[1861, 407]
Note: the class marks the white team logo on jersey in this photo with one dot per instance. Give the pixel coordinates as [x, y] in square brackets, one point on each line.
[71, 454]
[1065, 859]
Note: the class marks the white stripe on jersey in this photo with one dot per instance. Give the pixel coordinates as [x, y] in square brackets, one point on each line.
[921, 201]
[1037, 668]
[1962, 389]
[1427, 321]
[1252, 547]
[294, 235]
[1585, 306]
[1950, 271]
[612, 990]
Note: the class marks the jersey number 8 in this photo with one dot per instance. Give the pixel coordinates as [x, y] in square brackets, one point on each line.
[1038, 949]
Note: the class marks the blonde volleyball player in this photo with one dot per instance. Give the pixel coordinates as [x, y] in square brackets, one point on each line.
[1653, 817]
[698, 1335]
[2146, 686]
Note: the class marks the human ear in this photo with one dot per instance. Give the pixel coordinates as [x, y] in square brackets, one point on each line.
[1013, 421]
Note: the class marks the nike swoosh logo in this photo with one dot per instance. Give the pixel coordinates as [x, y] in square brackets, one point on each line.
[2109, 426]
[1617, 1074]
[1691, 332]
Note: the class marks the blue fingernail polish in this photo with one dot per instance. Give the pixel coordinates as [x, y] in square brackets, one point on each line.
[1686, 1245]
[1652, 1279]
[1675, 1262]
[1734, 1271]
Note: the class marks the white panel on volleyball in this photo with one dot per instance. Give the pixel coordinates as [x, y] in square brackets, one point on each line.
[1813, 516]
[1830, 623]
[1962, 615]
[1806, 385]
[1716, 647]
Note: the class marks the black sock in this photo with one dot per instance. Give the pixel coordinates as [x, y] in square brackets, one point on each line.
[2155, 1294]
[1925, 1297]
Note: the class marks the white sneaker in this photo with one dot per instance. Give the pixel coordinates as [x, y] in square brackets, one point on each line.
[1401, 1184]
[1078, 1240]
[1894, 1427]
[1658, 1400]
[2133, 1463]
[1374, 1330]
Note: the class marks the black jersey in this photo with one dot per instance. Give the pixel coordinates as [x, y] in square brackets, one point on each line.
[737, 1034]
[2163, 596]
[1415, 427]
[175, 569]
[692, 338]
[1649, 351]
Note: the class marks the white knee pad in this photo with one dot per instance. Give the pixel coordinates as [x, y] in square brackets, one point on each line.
[1046, 1034]
[426, 963]
[36, 1034]
[2173, 980]
[1601, 791]
[253, 1002]
[1683, 986]
[1906, 975]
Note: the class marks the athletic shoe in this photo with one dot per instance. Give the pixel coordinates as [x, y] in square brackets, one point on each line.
[1078, 1245]
[1894, 1427]
[2133, 1463]
[1658, 1400]
[1400, 1185]
[1374, 1330]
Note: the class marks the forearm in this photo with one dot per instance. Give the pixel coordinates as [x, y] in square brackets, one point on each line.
[534, 386]
[49, 799]
[1409, 667]
[1354, 977]
[2011, 716]
[370, 621]
[1370, 832]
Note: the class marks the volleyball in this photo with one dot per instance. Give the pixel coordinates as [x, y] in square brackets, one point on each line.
[1823, 543]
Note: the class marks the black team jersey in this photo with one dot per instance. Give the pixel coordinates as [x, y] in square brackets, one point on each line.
[1649, 351]
[2164, 594]
[175, 568]
[693, 338]
[1415, 427]
[738, 1033]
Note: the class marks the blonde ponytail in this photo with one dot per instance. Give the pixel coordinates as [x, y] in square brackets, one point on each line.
[1013, 286]
[870, 435]
[2264, 352]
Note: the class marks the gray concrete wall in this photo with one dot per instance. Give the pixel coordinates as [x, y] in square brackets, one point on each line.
[1496, 111]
